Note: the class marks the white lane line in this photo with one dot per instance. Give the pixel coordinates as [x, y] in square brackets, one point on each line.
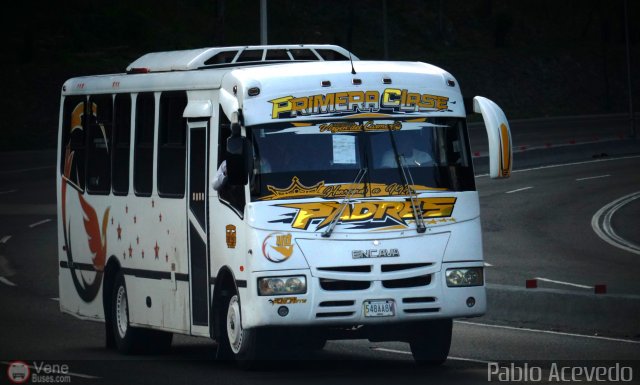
[564, 283]
[8, 191]
[567, 164]
[7, 282]
[520, 189]
[42, 222]
[601, 224]
[5, 239]
[470, 360]
[548, 332]
[72, 374]
[487, 264]
[593, 177]
[448, 358]
[56, 299]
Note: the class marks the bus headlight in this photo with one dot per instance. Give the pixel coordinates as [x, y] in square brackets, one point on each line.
[282, 285]
[468, 276]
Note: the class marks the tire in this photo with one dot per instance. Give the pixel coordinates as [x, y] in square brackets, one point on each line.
[235, 342]
[431, 342]
[128, 339]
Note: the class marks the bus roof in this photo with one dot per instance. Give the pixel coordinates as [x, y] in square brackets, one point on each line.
[186, 60]
[269, 80]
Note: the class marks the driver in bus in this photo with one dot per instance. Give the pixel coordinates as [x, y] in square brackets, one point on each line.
[412, 147]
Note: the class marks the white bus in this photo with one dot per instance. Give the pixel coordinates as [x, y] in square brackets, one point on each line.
[349, 208]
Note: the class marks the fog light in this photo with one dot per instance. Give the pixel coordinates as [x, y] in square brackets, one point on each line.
[283, 311]
[471, 301]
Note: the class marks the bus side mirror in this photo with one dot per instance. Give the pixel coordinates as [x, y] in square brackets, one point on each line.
[500, 154]
[236, 165]
[235, 142]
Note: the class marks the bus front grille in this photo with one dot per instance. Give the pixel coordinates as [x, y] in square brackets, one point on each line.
[422, 280]
[342, 285]
[335, 314]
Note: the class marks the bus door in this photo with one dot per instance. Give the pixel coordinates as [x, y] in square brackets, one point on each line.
[198, 228]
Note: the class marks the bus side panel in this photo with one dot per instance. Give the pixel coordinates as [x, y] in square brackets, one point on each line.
[154, 229]
[81, 268]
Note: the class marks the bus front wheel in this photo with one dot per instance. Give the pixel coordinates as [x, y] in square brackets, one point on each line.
[242, 344]
[430, 342]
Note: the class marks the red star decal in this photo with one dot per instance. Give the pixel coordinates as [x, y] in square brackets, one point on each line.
[166, 258]
[153, 203]
[126, 209]
[156, 249]
[160, 217]
[130, 251]
[135, 219]
[124, 255]
[142, 254]
[138, 240]
[111, 220]
[119, 230]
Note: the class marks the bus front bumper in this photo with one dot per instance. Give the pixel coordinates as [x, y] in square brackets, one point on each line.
[328, 302]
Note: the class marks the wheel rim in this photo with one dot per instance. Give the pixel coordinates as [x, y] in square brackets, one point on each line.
[122, 317]
[234, 326]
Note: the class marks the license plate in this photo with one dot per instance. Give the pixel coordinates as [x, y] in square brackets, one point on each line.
[379, 308]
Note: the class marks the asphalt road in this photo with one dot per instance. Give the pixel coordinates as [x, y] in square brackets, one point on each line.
[536, 225]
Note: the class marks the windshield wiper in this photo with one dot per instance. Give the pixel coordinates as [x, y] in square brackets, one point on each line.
[345, 202]
[404, 170]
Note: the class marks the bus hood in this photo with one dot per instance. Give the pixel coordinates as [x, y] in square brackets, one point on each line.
[372, 232]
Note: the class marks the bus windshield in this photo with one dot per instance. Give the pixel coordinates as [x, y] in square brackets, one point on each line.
[322, 159]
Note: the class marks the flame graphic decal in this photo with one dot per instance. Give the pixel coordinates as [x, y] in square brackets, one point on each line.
[97, 239]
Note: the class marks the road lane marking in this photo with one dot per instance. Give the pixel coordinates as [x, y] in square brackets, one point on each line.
[520, 189]
[567, 292]
[548, 332]
[448, 358]
[5, 239]
[564, 283]
[8, 191]
[567, 164]
[487, 264]
[7, 282]
[42, 222]
[593, 177]
[56, 299]
[601, 224]
[72, 374]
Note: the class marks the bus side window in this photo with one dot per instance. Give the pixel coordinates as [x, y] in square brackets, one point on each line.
[143, 156]
[121, 143]
[172, 139]
[99, 144]
[73, 140]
